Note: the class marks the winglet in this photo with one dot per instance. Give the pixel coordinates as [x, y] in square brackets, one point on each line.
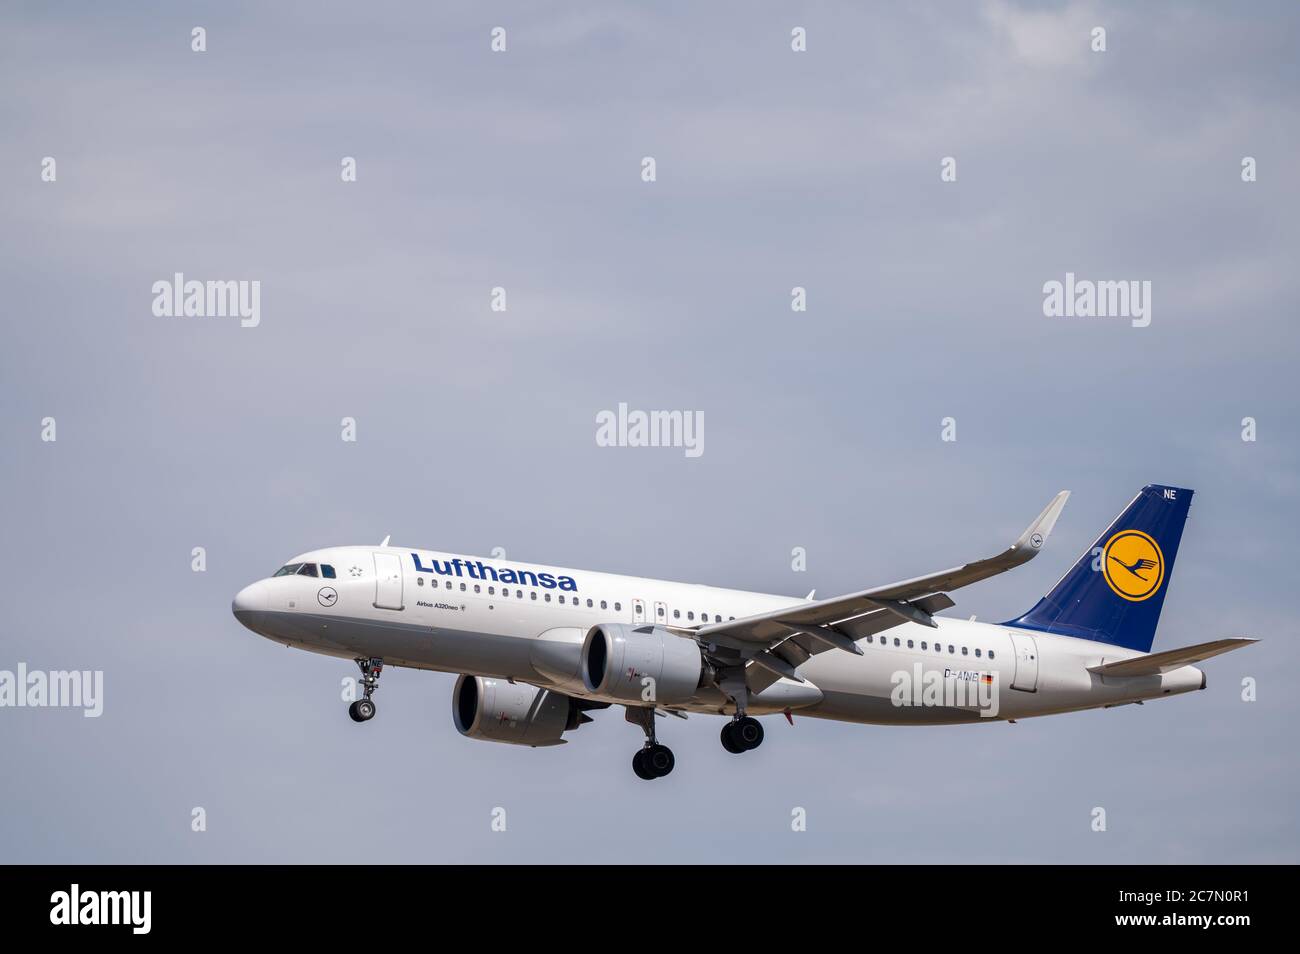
[386, 539]
[1036, 533]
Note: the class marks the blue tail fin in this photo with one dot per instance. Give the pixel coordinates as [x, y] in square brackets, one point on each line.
[1115, 591]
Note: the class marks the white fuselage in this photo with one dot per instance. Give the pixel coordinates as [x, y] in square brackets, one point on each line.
[448, 617]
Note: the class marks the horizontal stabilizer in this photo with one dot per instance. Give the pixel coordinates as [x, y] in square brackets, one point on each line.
[1157, 663]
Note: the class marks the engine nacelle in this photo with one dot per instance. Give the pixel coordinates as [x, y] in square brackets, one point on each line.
[640, 664]
[514, 713]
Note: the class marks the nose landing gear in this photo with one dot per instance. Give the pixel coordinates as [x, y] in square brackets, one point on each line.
[363, 710]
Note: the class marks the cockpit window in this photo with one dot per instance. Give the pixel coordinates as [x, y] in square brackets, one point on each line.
[307, 569]
[327, 571]
[289, 569]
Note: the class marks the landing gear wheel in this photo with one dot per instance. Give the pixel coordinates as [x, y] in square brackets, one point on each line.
[741, 735]
[639, 766]
[653, 761]
[729, 739]
[363, 710]
[748, 733]
[659, 760]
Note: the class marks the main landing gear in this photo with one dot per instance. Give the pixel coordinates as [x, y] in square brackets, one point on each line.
[652, 760]
[363, 710]
[742, 734]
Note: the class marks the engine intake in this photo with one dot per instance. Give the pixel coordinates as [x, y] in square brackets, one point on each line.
[640, 664]
[517, 714]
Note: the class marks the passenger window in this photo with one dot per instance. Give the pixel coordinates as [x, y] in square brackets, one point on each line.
[548, 597]
[950, 649]
[603, 605]
[990, 654]
[659, 610]
[964, 652]
[492, 591]
[327, 571]
[717, 619]
[923, 645]
[977, 654]
[519, 594]
[462, 587]
[419, 581]
[449, 584]
[909, 644]
[476, 588]
[677, 614]
[588, 604]
[307, 569]
[561, 597]
[690, 614]
[895, 640]
[532, 594]
[618, 606]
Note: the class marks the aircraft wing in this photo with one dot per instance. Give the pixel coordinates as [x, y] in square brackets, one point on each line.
[781, 640]
[1154, 664]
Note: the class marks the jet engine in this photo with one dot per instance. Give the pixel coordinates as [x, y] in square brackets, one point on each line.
[640, 664]
[515, 713]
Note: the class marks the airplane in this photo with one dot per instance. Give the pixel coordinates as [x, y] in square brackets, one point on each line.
[537, 647]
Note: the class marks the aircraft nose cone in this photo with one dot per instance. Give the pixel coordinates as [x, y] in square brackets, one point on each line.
[248, 601]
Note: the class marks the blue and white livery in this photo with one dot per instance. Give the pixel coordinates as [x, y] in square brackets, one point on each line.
[540, 647]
